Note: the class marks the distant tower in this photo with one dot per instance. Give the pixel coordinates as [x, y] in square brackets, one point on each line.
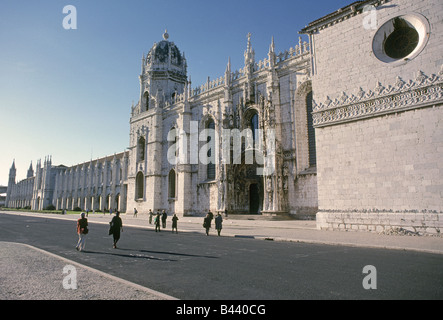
[30, 172]
[11, 182]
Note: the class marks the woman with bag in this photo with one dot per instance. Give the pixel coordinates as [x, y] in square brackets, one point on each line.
[82, 231]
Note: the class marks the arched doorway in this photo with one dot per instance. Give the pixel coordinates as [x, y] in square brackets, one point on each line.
[254, 198]
[245, 187]
[172, 190]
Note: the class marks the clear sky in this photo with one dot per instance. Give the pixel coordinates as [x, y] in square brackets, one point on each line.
[68, 93]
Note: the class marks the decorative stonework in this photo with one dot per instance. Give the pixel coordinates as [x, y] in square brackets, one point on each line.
[400, 96]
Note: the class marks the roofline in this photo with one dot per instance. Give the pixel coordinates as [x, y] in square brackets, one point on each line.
[341, 14]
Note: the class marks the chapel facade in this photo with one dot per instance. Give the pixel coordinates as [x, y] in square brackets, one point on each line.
[377, 74]
[228, 145]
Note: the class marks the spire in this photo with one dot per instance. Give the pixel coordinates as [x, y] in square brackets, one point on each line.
[228, 67]
[271, 54]
[12, 173]
[228, 73]
[272, 46]
[249, 55]
[143, 63]
[30, 171]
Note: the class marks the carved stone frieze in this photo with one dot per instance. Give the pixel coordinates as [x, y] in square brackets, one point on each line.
[422, 91]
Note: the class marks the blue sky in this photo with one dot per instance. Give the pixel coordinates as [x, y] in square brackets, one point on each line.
[68, 93]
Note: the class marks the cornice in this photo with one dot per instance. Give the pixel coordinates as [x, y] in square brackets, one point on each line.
[340, 15]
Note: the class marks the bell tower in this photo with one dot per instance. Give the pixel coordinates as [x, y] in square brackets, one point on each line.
[163, 75]
[163, 81]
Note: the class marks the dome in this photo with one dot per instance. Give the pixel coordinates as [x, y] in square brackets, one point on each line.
[164, 54]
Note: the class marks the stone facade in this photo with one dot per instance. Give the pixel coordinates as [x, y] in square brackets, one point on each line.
[379, 120]
[172, 163]
[170, 118]
[93, 185]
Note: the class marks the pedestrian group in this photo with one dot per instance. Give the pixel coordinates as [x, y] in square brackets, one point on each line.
[116, 225]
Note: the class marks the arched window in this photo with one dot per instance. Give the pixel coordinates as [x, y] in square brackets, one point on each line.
[254, 125]
[171, 184]
[210, 168]
[146, 98]
[311, 132]
[141, 149]
[139, 186]
[172, 146]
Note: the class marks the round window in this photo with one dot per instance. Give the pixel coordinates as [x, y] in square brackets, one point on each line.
[401, 39]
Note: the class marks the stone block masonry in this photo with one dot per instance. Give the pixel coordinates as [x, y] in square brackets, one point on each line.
[389, 162]
[410, 223]
[379, 119]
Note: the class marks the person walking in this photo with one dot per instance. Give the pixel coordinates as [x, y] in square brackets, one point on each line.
[82, 231]
[135, 213]
[116, 227]
[218, 223]
[174, 223]
[150, 216]
[164, 217]
[157, 222]
[207, 223]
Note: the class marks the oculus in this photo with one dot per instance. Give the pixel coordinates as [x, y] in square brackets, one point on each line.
[401, 39]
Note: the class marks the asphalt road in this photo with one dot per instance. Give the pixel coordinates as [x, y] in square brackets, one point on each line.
[193, 266]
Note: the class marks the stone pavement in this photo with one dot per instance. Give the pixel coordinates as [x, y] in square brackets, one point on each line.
[22, 261]
[256, 227]
[29, 273]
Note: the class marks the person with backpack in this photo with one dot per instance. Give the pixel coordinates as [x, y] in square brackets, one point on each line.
[82, 231]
